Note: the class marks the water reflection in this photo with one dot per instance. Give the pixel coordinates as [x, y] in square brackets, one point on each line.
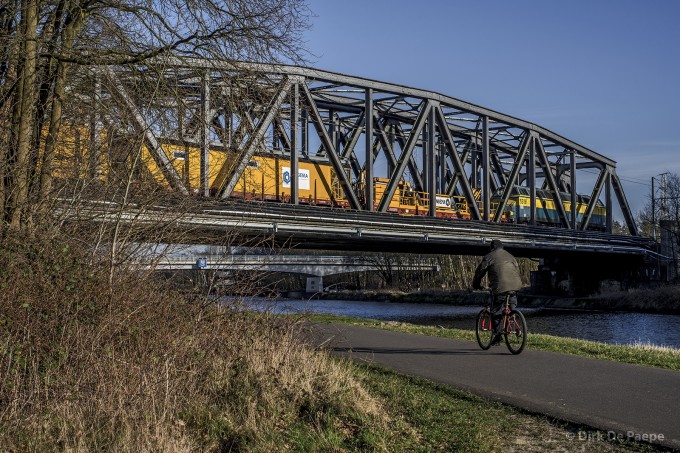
[613, 328]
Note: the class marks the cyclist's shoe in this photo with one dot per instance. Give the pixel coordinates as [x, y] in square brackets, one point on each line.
[496, 339]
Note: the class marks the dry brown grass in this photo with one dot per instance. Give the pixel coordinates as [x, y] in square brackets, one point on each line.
[136, 367]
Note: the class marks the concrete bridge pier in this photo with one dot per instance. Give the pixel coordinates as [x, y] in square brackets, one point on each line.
[314, 284]
[586, 276]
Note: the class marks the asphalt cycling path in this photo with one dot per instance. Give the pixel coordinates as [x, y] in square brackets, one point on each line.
[617, 398]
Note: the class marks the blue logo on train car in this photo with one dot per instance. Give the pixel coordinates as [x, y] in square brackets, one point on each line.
[286, 177]
[443, 202]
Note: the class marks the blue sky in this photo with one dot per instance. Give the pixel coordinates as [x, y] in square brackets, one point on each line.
[605, 74]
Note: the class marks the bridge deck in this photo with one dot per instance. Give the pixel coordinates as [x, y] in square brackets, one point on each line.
[308, 227]
[353, 230]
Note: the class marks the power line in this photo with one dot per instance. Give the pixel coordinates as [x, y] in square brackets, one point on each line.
[623, 178]
[634, 181]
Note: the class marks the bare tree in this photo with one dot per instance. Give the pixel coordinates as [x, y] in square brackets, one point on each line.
[45, 43]
[665, 206]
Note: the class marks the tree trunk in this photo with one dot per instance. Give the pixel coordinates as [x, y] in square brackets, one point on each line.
[70, 31]
[9, 77]
[50, 33]
[20, 167]
[5, 138]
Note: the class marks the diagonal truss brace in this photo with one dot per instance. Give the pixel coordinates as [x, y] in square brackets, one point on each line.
[348, 150]
[240, 165]
[451, 186]
[349, 144]
[282, 134]
[413, 168]
[550, 178]
[164, 164]
[623, 203]
[517, 166]
[383, 141]
[405, 157]
[594, 197]
[330, 149]
[457, 164]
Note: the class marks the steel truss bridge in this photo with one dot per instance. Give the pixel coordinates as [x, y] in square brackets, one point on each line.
[442, 145]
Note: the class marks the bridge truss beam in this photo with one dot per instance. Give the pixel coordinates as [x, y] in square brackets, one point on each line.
[438, 143]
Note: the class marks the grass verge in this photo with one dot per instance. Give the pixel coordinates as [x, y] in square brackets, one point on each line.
[642, 354]
[429, 417]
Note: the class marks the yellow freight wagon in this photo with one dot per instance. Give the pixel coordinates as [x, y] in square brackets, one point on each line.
[270, 179]
[186, 161]
[403, 201]
[264, 178]
[72, 153]
[407, 201]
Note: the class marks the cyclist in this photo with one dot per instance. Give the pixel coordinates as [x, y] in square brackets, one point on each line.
[504, 278]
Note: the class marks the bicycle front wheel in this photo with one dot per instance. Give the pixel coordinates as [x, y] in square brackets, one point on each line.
[483, 330]
[515, 332]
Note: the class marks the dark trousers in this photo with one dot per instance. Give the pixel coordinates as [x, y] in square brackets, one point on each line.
[498, 307]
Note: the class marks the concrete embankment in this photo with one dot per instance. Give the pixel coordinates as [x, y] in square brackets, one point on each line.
[664, 300]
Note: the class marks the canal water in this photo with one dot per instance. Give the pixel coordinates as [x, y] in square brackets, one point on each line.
[606, 327]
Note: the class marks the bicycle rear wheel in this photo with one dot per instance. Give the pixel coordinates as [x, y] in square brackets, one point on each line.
[483, 330]
[516, 332]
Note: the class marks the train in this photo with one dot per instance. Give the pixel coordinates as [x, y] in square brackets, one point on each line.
[519, 204]
[267, 177]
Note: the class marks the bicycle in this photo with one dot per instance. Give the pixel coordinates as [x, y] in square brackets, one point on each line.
[514, 329]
